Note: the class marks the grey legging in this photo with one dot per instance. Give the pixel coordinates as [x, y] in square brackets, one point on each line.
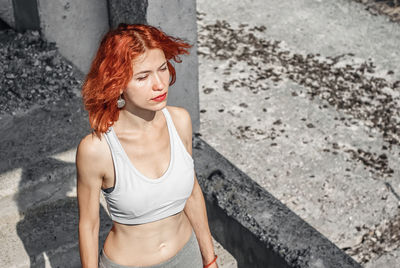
[188, 256]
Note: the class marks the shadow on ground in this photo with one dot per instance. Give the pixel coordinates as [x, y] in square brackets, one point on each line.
[46, 199]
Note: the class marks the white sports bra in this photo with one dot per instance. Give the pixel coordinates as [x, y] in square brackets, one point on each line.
[137, 199]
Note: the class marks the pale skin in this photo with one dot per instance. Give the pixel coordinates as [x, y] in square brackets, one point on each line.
[143, 133]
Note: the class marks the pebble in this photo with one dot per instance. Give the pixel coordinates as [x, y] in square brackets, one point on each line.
[18, 53]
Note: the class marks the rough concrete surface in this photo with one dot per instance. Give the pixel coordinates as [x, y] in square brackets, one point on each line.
[75, 26]
[303, 96]
[390, 259]
[253, 225]
[126, 11]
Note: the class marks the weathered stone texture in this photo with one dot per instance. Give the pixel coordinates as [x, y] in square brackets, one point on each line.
[255, 227]
[127, 11]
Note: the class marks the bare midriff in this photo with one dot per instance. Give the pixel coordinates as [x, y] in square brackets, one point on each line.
[147, 244]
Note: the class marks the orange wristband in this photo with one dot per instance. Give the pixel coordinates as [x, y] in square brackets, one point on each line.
[214, 260]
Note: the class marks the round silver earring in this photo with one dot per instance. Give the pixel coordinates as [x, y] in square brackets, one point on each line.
[120, 102]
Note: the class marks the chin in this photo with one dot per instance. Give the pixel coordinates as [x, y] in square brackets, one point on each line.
[161, 105]
[150, 106]
[154, 106]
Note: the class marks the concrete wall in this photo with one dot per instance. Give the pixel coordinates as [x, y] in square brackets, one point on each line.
[75, 26]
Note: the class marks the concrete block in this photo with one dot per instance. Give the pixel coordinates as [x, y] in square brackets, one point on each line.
[255, 227]
[178, 18]
[75, 26]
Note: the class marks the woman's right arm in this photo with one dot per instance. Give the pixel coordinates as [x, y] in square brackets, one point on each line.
[89, 181]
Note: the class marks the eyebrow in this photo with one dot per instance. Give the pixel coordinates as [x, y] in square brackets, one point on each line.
[148, 71]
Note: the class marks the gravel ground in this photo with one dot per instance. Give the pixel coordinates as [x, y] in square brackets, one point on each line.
[34, 73]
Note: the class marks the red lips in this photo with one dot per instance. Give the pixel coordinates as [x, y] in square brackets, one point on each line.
[160, 97]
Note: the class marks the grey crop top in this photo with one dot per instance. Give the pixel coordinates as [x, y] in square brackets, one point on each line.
[137, 199]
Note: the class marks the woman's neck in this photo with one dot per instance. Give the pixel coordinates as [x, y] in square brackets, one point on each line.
[136, 120]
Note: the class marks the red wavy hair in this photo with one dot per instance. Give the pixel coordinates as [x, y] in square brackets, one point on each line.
[111, 69]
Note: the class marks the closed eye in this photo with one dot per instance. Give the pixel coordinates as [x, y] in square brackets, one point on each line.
[142, 78]
[164, 68]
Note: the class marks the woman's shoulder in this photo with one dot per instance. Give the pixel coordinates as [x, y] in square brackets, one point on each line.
[181, 117]
[92, 147]
[179, 114]
[183, 123]
[92, 162]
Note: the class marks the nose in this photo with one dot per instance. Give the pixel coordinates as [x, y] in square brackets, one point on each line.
[158, 83]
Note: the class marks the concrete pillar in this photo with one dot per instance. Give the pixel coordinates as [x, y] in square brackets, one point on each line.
[127, 11]
[26, 15]
[75, 26]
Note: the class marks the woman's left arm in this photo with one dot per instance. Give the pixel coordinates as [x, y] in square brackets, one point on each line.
[195, 208]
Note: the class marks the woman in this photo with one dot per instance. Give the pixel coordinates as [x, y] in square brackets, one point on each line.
[139, 156]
